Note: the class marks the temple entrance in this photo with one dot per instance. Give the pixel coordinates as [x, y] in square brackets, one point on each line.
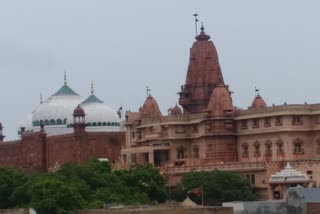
[161, 157]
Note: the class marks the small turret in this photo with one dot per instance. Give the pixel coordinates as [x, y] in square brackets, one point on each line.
[258, 102]
[1, 133]
[79, 122]
[175, 110]
[220, 103]
[150, 108]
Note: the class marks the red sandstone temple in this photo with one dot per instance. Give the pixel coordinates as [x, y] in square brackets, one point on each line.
[207, 132]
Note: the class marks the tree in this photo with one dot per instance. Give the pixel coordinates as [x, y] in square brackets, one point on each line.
[147, 179]
[218, 186]
[9, 180]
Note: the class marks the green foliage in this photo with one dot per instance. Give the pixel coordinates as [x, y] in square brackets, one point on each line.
[9, 180]
[218, 186]
[90, 185]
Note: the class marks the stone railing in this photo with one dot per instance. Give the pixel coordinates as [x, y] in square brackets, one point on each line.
[271, 109]
[168, 118]
[232, 166]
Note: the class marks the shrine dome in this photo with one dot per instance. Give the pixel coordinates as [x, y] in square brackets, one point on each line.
[57, 110]
[258, 102]
[151, 107]
[99, 116]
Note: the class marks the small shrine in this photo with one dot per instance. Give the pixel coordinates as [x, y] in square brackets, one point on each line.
[288, 177]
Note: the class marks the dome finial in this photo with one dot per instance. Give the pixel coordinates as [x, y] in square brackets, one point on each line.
[202, 28]
[92, 90]
[65, 77]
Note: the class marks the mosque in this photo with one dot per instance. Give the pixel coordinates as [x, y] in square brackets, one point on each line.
[64, 128]
[274, 147]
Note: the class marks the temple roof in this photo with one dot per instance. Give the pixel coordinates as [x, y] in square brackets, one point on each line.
[289, 175]
[258, 102]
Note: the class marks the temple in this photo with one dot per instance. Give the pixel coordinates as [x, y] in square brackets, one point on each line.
[207, 132]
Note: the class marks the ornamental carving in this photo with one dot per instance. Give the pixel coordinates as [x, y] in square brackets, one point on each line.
[245, 150]
[280, 150]
[256, 147]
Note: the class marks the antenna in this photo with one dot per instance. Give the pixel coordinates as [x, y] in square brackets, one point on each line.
[41, 98]
[195, 22]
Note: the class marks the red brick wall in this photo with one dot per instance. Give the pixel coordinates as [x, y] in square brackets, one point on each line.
[36, 152]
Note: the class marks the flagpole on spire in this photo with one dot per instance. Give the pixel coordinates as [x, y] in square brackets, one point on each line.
[195, 22]
[148, 91]
[256, 91]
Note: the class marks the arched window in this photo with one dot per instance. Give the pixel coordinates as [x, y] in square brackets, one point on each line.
[298, 146]
[99, 123]
[94, 124]
[108, 124]
[37, 123]
[41, 122]
[46, 122]
[89, 124]
[256, 147]
[52, 122]
[59, 122]
[181, 152]
[280, 150]
[65, 121]
[195, 151]
[245, 150]
[104, 124]
[112, 124]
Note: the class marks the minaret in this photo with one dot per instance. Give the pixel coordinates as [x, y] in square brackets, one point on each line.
[1, 133]
[79, 122]
[203, 75]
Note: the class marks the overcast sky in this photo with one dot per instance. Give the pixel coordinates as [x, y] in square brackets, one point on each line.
[123, 46]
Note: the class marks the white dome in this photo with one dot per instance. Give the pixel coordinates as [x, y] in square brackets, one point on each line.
[99, 116]
[58, 109]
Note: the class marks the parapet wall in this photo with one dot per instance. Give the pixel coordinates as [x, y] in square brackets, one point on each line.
[208, 210]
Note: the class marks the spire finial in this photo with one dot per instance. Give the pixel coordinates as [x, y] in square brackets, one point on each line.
[256, 91]
[92, 90]
[202, 28]
[148, 91]
[41, 98]
[65, 77]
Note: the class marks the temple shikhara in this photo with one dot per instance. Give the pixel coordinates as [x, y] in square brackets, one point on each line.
[275, 146]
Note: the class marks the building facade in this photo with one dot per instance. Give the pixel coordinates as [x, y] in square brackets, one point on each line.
[210, 133]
